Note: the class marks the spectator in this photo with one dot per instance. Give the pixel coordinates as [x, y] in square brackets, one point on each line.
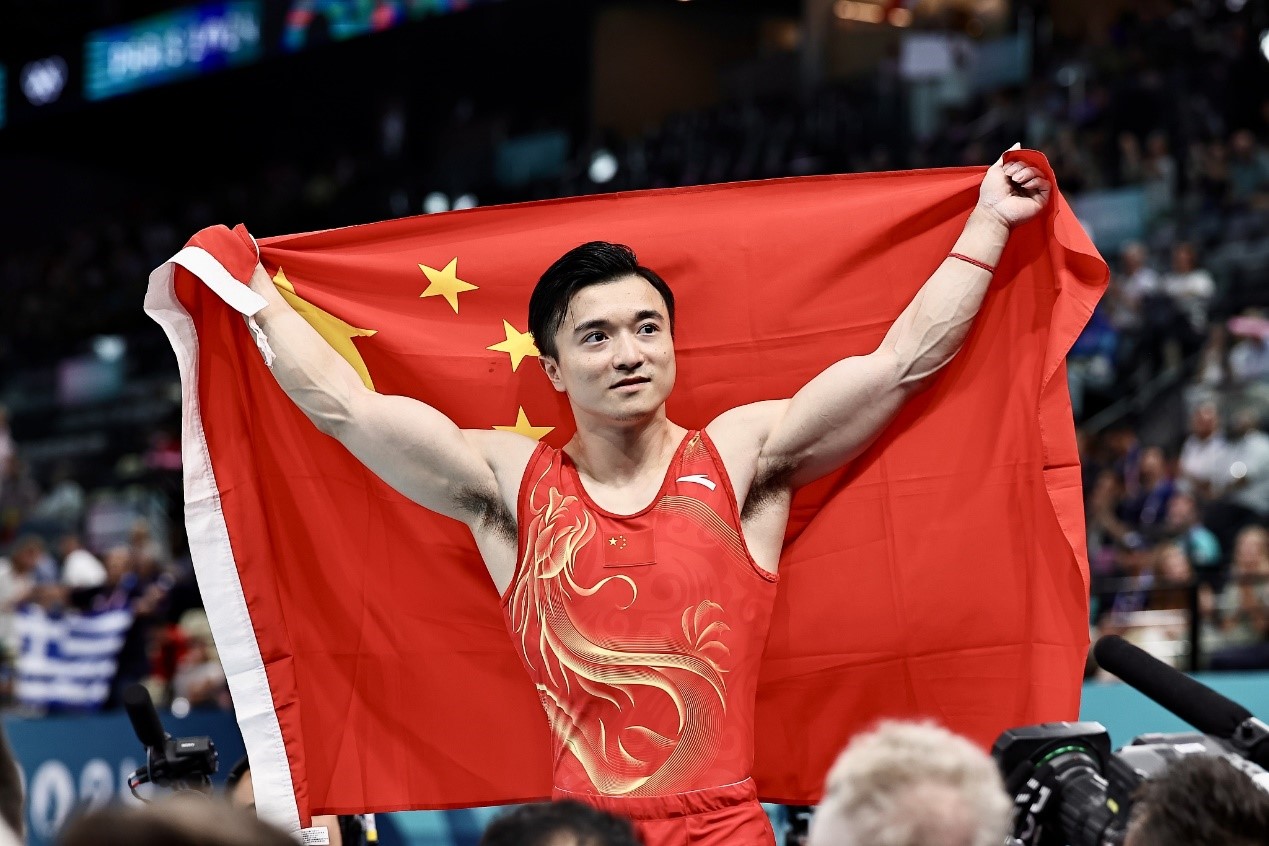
[180, 819]
[62, 506]
[1135, 281]
[18, 495]
[1090, 364]
[1203, 465]
[1145, 511]
[912, 784]
[1200, 545]
[1236, 618]
[1105, 529]
[80, 568]
[1173, 581]
[199, 678]
[1249, 356]
[1130, 585]
[1192, 289]
[559, 823]
[1199, 799]
[1248, 172]
[1246, 485]
[21, 573]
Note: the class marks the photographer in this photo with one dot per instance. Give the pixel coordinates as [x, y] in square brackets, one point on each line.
[1200, 799]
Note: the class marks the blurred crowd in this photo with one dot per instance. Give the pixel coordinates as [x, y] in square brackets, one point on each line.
[1176, 515]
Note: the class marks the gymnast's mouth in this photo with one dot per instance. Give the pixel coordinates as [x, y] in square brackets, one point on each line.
[631, 382]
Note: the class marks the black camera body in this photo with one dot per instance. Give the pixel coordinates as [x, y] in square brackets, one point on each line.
[183, 763]
[1070, 789]
[180, 763]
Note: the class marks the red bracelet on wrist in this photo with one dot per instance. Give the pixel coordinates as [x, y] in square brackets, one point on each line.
[975, 262]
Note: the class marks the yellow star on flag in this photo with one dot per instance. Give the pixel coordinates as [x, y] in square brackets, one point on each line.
[336, 332]
[523, 427]
[518, 345]
[445, 283]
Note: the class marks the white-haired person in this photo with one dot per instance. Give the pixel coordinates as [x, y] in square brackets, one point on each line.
[912, 784]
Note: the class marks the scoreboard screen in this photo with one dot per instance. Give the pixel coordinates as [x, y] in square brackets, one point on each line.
[171, 46]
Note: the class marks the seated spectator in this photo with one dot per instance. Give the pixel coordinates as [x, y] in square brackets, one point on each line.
[62, 505]
[1146, 509]
[1129, 585]
[1244, 481]
[1249, 355]
[199, 678]
[912, 784]
[1248, 172]
[1173, 581]
[1192, 289]
[1090, 364]
[1202, 465]
[559, 823]
[18, 495]
[1237, 617]
[27, 567]
[1184, 525]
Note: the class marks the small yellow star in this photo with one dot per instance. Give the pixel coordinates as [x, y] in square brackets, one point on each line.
[523, 427]
[518, 345]
[445, 283]
[336, 332]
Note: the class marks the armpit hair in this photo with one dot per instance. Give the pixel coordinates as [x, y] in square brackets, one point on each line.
[490, 512]
[770, 483]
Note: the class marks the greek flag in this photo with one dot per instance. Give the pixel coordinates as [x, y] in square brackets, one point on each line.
[68, 659]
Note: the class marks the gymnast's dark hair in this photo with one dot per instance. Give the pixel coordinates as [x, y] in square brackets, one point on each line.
[592, 263]
[542, 823]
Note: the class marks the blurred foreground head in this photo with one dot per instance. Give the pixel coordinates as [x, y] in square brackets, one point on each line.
[559, 823]
[1199, 799]
[912, 784]
[183, 819]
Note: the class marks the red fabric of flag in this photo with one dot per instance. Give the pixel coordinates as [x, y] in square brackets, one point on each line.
[941, 574]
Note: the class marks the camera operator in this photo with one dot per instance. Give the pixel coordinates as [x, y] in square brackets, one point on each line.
[1199, 800]
[912, 784]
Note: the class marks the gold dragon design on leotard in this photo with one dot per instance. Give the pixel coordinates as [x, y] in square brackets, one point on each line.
[681, 665]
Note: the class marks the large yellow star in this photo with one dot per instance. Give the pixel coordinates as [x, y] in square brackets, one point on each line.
[518, 345]
[336, 332]
[445, 283]
[523, 427]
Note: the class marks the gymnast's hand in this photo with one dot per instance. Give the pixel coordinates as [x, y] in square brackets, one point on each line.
[1014, 192]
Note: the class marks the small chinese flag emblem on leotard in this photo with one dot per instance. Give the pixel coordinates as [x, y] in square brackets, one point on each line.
[628, 549]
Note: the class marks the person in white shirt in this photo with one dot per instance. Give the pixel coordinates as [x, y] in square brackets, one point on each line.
[1203, 466]
[1190, 286]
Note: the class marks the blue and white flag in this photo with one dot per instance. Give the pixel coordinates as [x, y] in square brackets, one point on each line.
[68, 659]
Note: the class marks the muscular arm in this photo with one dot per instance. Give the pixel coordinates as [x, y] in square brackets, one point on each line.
[410, 445]
[839, 412]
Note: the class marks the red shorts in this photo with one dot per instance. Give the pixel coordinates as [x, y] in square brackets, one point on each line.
[715, 816]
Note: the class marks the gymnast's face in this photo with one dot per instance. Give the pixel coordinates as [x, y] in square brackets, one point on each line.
[616, 352]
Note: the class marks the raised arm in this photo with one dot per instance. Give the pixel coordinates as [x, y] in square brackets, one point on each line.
[410, 445]
[835, 415]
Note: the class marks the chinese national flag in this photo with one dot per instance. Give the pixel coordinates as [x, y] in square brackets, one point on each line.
[941, 574]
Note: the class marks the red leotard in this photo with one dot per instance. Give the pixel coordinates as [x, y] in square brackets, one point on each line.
[643, 634]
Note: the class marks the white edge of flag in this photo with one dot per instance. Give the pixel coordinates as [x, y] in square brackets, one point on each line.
[210, 550]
